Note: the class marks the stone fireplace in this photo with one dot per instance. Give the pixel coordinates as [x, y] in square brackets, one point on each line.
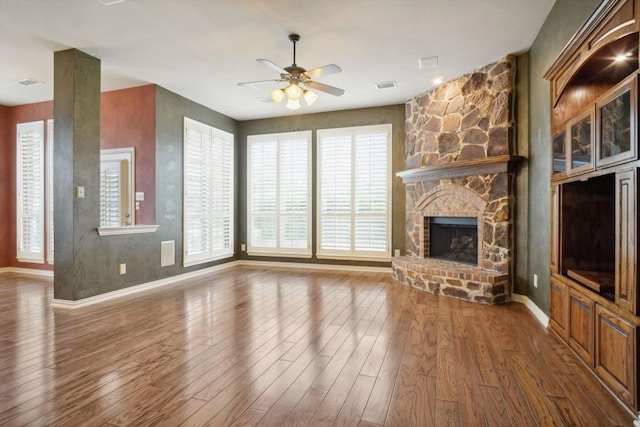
[459, 182]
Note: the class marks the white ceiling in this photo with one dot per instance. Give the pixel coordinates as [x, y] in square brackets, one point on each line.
[201, 49]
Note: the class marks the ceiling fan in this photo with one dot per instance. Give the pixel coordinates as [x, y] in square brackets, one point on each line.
[299, 79]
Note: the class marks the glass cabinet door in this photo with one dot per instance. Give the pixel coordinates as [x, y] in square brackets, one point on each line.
[615, 115]
[580, 154]
[559, 152]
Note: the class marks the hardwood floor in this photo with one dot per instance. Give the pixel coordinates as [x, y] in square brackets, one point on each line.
[273, 347]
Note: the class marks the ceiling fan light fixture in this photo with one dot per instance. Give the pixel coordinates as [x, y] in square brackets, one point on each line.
[277, 95]
[295, 76]
[293, 104]
[293, 91]
[310, 97]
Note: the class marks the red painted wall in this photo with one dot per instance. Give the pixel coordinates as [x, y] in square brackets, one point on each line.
[5, 179]
[127, 120]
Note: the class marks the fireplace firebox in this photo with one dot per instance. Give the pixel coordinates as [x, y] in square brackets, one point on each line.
[454, 239]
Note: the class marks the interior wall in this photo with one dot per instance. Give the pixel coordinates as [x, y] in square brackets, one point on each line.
[127, 119]
[394, 114]
[5, 175]
[563, 21]
[171, 109]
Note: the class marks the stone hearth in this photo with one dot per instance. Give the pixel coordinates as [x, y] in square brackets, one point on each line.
[460, 161]
[452, 279]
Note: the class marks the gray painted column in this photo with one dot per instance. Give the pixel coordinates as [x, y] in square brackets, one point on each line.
[76, 110]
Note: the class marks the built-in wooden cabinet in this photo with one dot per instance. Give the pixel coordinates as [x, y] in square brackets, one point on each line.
[593, 292]
[615, 357]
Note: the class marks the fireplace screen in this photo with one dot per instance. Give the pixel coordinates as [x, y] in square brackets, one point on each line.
[454, 239]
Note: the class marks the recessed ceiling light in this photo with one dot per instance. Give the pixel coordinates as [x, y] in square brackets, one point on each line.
[28, 82]
[623, 56]
[386, 85]
[110, 2]
[437, 81]
[428, 62]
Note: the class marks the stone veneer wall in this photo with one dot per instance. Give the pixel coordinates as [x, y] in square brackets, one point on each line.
[468, 119]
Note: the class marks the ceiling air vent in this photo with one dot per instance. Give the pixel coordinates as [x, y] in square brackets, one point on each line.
[386, 85]
[428, 62]
[110, 2]
[265, 99]
[29, 82]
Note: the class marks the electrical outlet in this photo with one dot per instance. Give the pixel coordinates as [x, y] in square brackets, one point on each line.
[123, 268]
[535, 280]
[397, 252]
[243, 247]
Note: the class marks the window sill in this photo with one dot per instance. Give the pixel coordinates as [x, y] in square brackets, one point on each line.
[279, 255]
[355, 258]
[128, 229]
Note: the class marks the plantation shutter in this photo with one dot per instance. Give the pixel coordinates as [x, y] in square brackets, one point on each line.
[222, 190]
[208, 193]
[263, 194]
[279, 193]
[371, 190]
[335, 194]
[354, 176]
[30, 192]
[111, 182]
[294, 194]
[50, 196]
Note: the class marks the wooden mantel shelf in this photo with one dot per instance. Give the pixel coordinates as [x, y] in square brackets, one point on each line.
[495, 164]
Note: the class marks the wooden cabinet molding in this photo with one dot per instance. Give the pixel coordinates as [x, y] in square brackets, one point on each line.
[556, 242]
[612, 20]
[626, 250]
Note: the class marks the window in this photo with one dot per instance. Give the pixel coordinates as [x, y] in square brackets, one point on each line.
[50, 196]
[116, 187]
[208, 193]
[30, 192]
[279, 194]
[354, 172]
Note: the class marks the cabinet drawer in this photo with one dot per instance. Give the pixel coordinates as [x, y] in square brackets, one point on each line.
[615, 354]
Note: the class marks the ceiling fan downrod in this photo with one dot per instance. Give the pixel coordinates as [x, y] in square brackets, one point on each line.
[294, 39]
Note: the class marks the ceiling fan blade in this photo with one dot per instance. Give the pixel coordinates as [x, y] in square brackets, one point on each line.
[252, 85]
[323, 71]
[325, 88]
[272, 66]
